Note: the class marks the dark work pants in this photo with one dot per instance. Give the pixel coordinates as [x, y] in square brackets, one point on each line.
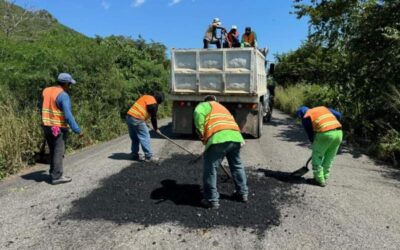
[216, 42]
[57, 151]
[213, 157]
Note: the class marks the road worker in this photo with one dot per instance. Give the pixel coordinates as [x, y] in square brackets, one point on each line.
[232, 38]
[222, 138]
[249, 38]
[210, 36]
[143, 109]
[56, 116]
[325, 132]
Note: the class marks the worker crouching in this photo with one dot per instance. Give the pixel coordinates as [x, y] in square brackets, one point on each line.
[325, 132]
[222, 138]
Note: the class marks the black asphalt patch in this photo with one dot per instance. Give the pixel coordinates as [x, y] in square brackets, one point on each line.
[151, 194]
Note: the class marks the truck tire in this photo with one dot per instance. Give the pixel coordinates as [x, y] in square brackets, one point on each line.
[268, 116]
[260, 120]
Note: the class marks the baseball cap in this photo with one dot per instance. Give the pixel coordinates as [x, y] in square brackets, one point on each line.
[302, 111]
[65, 78]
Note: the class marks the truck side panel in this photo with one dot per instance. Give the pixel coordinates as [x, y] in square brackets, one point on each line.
[220, 72]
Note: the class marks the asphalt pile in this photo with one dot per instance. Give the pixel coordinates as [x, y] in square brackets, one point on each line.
[170, 192]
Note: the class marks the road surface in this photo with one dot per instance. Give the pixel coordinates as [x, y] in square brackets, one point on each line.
[114, 203]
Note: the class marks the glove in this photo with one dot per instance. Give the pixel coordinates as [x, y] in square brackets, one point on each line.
[55, 130]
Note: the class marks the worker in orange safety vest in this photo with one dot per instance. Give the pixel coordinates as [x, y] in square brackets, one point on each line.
[325, 132]
[143, 109]
[221, 136]
[56, 119]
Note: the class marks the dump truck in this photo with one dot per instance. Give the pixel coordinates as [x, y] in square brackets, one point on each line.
[237, 77]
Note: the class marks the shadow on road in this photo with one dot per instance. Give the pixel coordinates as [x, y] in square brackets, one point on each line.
[179, 194]
[279, 121]
[121, 156]
[388, 172]
[182, 194]
[150, 194]
[38, 176]
[287, 177]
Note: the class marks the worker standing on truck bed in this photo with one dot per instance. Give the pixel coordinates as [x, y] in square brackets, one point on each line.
[144, 108]
[221, 136]
[249, 38]
[210, 36]
[325, 132]
[56, 116]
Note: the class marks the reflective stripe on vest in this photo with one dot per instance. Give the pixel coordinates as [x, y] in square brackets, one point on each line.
[217, 120]
[139, 109]
[51, 114]
[322, 119]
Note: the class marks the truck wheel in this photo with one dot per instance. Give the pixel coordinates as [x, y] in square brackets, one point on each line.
[260, 120]
[267, 117]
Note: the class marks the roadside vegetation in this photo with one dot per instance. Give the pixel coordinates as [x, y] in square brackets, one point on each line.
[111, 73]
[350, 62]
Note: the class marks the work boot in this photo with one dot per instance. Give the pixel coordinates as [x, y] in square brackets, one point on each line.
[209, 204]
[240, 197]
[316, 182]
[61, 180]
[319, 176]
[152, 159]
[138, 158]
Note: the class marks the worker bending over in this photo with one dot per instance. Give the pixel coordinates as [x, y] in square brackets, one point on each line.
[325, 132]
[221, 136]
[143, 109]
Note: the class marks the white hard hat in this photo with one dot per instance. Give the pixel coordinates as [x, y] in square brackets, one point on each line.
[216, 20]
[234, 27]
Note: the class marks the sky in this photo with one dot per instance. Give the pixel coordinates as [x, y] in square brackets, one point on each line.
[180, 23]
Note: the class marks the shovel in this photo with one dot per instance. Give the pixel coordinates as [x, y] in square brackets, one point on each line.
[190, 152]
[302, 171]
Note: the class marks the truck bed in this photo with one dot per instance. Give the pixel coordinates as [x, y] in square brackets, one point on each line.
[224, 72]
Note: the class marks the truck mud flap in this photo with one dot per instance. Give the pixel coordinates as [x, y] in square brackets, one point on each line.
[247, 119]
[182, 120]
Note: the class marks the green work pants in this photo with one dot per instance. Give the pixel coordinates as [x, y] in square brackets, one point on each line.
[324, 150]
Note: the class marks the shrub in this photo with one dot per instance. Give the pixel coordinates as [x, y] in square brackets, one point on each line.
[20, 138]
[111, 74]
[389, 147]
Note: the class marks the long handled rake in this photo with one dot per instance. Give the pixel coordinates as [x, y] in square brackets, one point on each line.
[190, 152]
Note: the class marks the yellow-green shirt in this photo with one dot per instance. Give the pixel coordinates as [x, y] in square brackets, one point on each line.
[200, 114]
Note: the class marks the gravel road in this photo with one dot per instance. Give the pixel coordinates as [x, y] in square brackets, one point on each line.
[114, 203]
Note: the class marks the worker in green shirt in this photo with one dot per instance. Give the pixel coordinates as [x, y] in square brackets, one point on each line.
[221, 136]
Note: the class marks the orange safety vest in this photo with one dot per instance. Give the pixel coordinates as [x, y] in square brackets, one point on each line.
[249, 38]
[322, 119]
[217, 120]
[139, 109]
[51, 114]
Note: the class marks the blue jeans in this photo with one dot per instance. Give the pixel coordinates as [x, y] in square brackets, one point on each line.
[212, 160]
[139, 134]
